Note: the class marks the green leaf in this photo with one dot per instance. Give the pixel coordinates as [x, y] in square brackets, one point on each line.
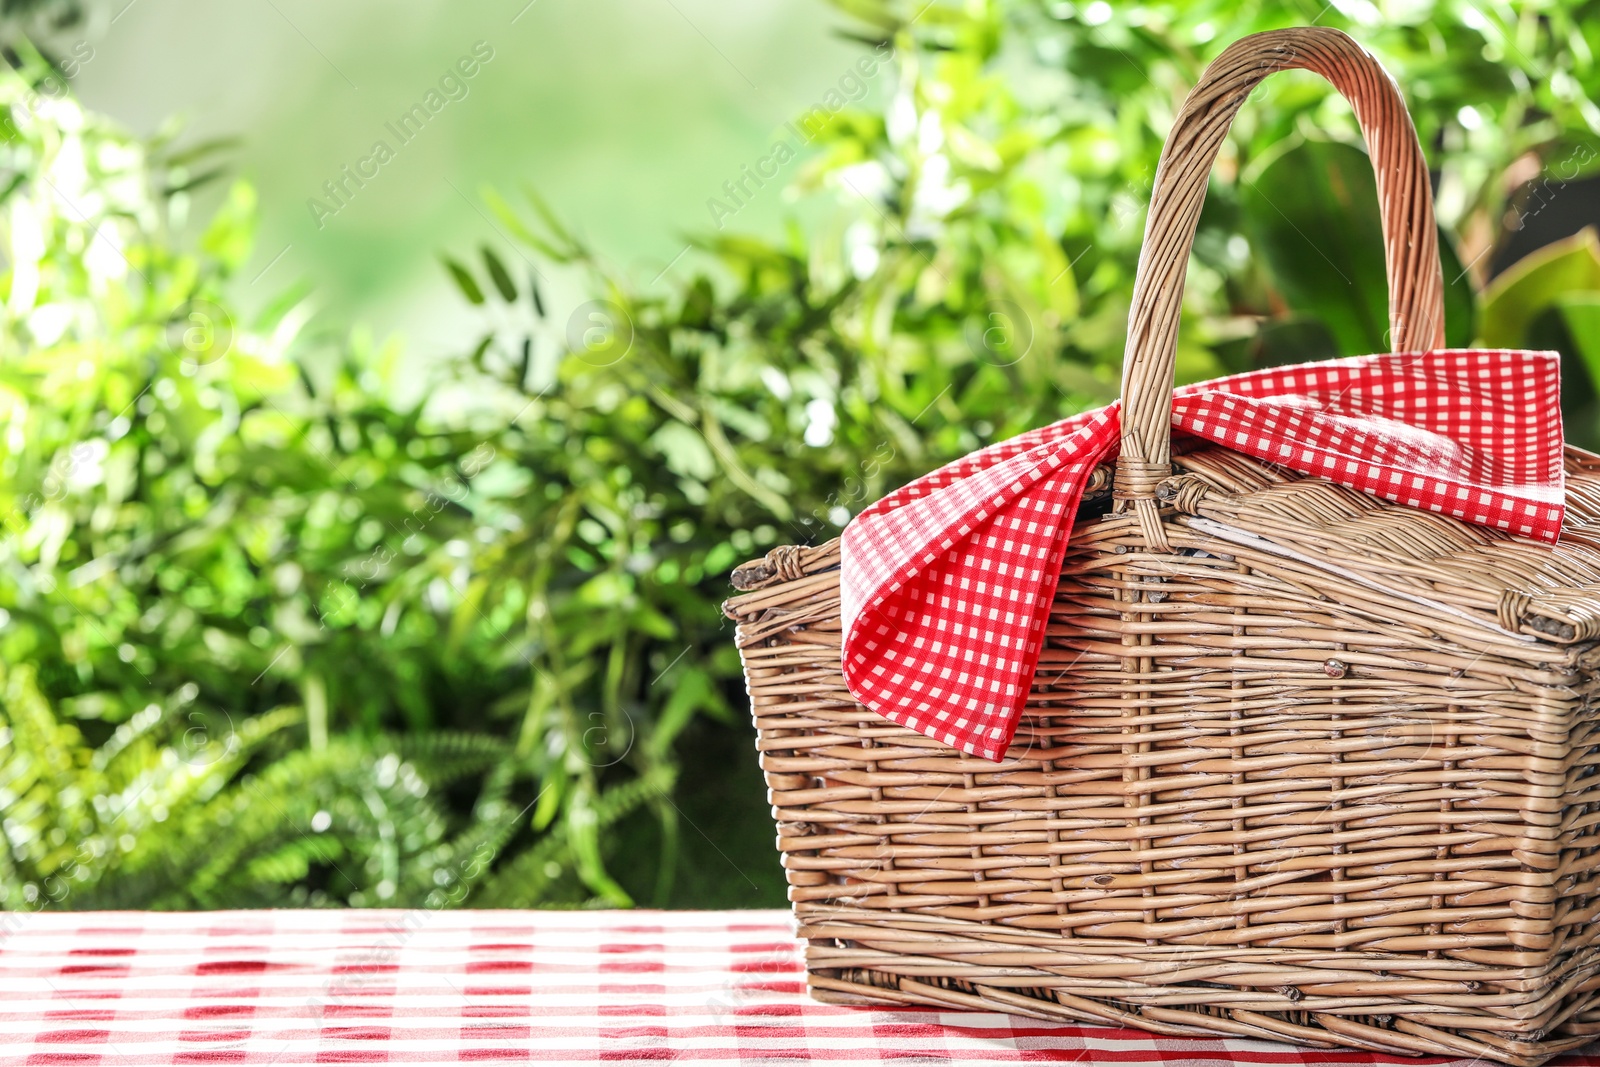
[499, 276]
[1313, 213]
[1460, 297]
[550, 219]
[693, 690]
[464, 281]
[697, 304]
[513, 222]
[1061, 287]
[685, 451]
[1579, 344]
[195, 181]
[1581, 314]
[550, 797]
[1536, 283]
[200, 150]
[583, 825]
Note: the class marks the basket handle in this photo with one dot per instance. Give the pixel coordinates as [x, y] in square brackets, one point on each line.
[1405, 198]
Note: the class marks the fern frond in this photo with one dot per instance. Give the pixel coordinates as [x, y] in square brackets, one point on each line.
[292, 861]
[446, 756]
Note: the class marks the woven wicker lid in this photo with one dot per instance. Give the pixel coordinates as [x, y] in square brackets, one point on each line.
[1538, 591]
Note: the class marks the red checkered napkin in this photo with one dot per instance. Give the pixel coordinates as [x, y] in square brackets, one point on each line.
[947, 582]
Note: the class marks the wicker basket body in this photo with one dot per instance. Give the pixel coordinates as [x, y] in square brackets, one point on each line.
[1325, 804]
[1297, 763]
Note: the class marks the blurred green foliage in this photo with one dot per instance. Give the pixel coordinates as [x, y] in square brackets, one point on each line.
[274, 637]
[256, 654]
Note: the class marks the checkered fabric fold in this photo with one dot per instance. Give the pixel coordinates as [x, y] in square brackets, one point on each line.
[284, 988]
[947, 582]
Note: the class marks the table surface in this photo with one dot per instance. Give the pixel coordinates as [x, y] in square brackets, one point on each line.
[291, 987]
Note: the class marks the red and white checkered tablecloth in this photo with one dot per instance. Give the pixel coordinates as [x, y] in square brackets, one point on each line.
[293, 987]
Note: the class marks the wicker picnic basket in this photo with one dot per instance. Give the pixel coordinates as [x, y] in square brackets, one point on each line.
[1333, 784]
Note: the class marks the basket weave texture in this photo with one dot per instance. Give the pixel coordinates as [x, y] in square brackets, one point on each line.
[1297, 763]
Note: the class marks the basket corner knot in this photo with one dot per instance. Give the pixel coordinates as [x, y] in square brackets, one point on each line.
[1182, 493]
[785, 563]
[781, 564]
[1512, 609]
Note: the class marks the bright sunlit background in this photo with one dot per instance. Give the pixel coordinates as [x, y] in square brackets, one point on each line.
[627, 114]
